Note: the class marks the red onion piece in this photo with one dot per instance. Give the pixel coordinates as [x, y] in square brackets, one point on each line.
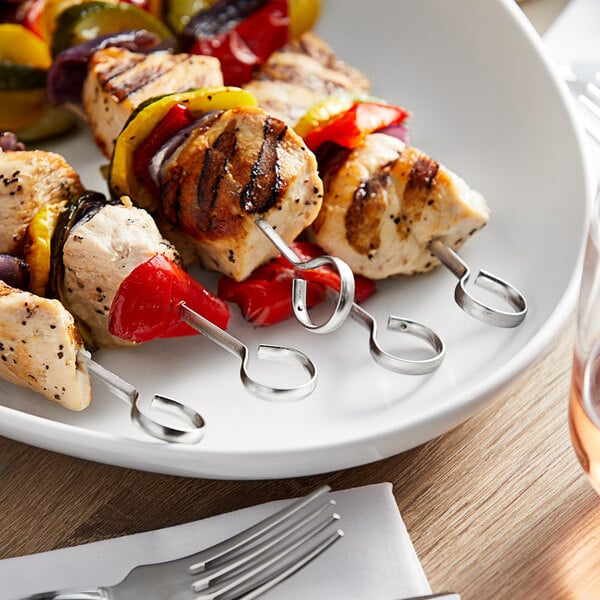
[69, 68]
[159, 160]
[9, 142]
[14, 271]
[398, 130]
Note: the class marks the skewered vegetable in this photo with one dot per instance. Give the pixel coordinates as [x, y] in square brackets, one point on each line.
[265, 297]
[146, 305]
[349, 127]
[242, 34]
[14, 271]
[88, 20]
[24, 109]
[38, 245]
[69, 69]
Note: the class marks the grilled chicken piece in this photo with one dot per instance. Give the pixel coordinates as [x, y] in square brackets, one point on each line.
[99, 254]
[384, 203]
[118, 81]
[28, 180]
[38, 348]
[299, 75]
[237, 165]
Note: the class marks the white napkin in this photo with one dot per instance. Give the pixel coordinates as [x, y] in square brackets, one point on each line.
[374, 559]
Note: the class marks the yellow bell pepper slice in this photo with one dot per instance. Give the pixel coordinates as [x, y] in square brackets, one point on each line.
[20, 46]
[121, 180]
[323, 111]
[303, 16]
[37, 245]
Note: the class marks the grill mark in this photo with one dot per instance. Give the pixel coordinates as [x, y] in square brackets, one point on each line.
[171, 195]
[139, 81]
[181, 184]
[364, 215]
[290, 73]
[214, 168]
[263, 190]
[118, 67]
[422, 175]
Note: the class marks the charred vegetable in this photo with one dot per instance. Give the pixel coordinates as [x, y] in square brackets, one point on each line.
[265, 298]
[69, 68]
[14, 272]
[24, 109]
[242, 34]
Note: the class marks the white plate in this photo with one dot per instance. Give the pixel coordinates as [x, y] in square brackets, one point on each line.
[485, 104]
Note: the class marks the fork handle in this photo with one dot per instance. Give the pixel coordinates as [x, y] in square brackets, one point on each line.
[73, 594]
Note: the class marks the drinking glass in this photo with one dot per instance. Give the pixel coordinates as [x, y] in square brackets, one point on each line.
[584, 402]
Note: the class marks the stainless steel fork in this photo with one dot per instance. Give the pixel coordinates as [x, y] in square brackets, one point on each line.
[242, 567]
[584, 82]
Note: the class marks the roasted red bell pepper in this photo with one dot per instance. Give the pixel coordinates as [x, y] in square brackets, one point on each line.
[349, 128]
[147, 303]
[246, 41]
[265, 297]
[178, 117]
[32, 16]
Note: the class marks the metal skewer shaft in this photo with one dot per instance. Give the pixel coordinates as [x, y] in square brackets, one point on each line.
[486, 281]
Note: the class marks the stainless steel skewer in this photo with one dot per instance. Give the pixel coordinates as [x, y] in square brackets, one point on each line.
[142, 408]
[345, 306]
[267, 352]
[389, 361]
[345, 296]
[486, 281]
[397, 363]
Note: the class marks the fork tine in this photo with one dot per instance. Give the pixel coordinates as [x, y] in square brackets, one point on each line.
[249, 581]
[587, 95]
[288, 571]
[245, 559]
[243, 538]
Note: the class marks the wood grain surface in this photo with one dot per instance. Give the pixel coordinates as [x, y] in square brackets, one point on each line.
[497, 509]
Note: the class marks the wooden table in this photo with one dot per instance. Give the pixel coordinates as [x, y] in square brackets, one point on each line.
[497, 509]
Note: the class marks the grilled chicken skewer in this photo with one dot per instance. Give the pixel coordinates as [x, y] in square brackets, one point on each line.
[383, 200]
[222, 174]
[388, 209]
[120, 280]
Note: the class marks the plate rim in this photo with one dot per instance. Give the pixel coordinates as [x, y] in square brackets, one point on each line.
[479, 393]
